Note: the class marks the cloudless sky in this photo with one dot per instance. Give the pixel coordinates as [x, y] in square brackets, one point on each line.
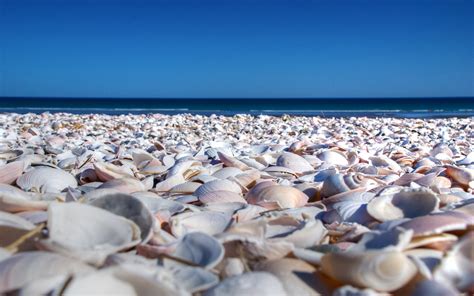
[238, 48]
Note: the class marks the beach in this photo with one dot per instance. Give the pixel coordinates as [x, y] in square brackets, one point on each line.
[189, 204]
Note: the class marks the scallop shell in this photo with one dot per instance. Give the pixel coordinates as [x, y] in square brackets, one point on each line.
[383, 271]
[185, 188]
[338, 183]
[230, 161]
[87, 233]
[208, 222]
[278, 196]
[227, 172]
[217, 185]
[124, 185]
[250, 283]
[333, 158]
[404, 204]
[25, 267]
[46, 180]
[11, 171]
[294, 162]
[107, 171]
[130, 208]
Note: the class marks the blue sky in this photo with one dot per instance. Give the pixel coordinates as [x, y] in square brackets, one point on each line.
[201, 48]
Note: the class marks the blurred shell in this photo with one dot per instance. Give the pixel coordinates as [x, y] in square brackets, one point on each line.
[107, 171]
[339, 183]
[46, 180]
[277, 196]
[438, 223]
[217, 185]
[230, 161]
[404, 204]
[227, 172]
[463, 176]
[11, 171]
[124, 185]
[87, 233]
[15, 200]
[333, 158]
[378, 270]
[130, 208]
[23, 268]
[294, 162]
[250, 283]
[208, 222]
[185, 188]
[221, 196]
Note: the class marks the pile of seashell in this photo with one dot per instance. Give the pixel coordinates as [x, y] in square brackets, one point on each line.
[242, 205]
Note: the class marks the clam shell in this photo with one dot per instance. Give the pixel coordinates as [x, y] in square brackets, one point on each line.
[438, 223]
[404, 204]
[25, 267]
[230, 161]
[186, 187]
[15, 200]
[208, 222]
[46, 180]
[217, 185]
[130, 208]
[107, 171]
[250, 283]
[294, 162]
[278, 196]
[11, 171]
[227, 172]
[333, 158]
[221, 196]
[463, 176]
[338, 183]
[124, 185]
[379, 270]
[87, 233]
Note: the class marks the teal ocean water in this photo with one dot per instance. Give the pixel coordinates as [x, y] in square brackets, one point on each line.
[372, 107]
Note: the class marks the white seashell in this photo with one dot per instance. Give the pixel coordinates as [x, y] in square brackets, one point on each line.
[250, 283]
[463, 176]
[338, 183]
[396, 239]
[87, 233]
[217, 185]
[230, 161]
[333, 158]
[10, 220]
[294, 162]
[46, 180]
[107, 171]
[404, 204]
[199, 248]
[194, 279]
[469, 159]
[15, 200]
[185, 188]
[221, 196]
[169, 183]
[25, 267]
[277, 196]
[383, 271]
[208, 222]
[227, 172]
[11, 171]
[124, 185]
[130, 208]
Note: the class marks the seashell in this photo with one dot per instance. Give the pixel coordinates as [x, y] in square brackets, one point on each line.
[276, 196]
[247, 179]
[469, 159]
[185, 188]
[124, 185]
[297, 276]
[456, 268]
[227, 172]
[107, 171]
[198, 248]
[383, 271]
[217, 185]
[438, 223]
[384, 161]
[396, 239]
[15, 200]
[208, 222]
[11, 154]
[279, 171]
[404, 204]
[130, 208]
[169, 183]
[349, 206]
[87, 233]
[11, 171]
[230, 161]
[252, 163]
[294, 162]
[46, 180]
[436, 241]
[25, 267]
[333, 158]
[126, 279]
[194, 279]
[14, 221]
[338, 183]
[305, 235]
[433, 288]
[221, 196]
[463, 176]
[249, 283]
[155, 204]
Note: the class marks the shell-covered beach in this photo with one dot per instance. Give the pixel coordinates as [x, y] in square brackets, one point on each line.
[243, 205]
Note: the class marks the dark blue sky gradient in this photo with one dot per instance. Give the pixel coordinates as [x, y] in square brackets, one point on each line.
[333, 48]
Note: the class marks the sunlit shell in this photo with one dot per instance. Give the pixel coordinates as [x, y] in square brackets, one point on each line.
[404, 204]
[87, 233]
[277, 196]
[208, 222]
[169, 183]
[23, 268]
[294, 162]
[380, 270]
[221, 196]
[217, 185]
[463, 176]
[11, 171]
[333, 158]
[15, 200]
[396, 239]
[185, 188]
[124, 185]
[250, 283]
[438, 223]
[107, 171]
[227, 172]
[46, 180]
[130, 208]
[230, 161]
[339, 183]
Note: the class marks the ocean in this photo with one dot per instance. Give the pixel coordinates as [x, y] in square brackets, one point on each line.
[371, 107]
